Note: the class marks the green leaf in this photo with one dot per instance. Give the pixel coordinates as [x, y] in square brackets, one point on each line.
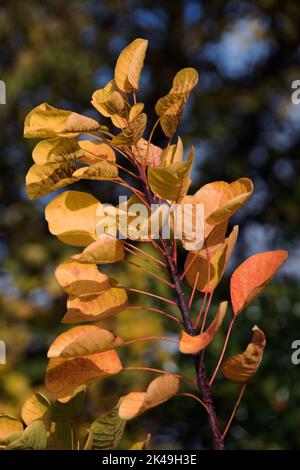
[65, 436]
[63, 412]
[8, 426]
[33, 438]
[106, 432]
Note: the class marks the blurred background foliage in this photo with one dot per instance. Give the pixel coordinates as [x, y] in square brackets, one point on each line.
[242, 123]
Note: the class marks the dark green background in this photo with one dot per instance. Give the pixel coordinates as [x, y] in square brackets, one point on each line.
[242, 123]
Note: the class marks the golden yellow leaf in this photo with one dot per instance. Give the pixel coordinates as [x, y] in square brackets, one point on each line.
[109, 101]
[36, 407]
[129, 65]
[132, 133]
[46, 121]
[135, 110]
[145, 154]
[64, 375]
[171, 182]
[185, 80]
[194, 344]
[83, 341]
[173, 153]
[241, 367]
[8, 426]
[106, 250]
[101, 171]
[93, 152]
[94, 308]
[57, 150]
[81, 279]
[209, 275]
[43, 179]
[72, 217]
[159, 391]
[235, 196]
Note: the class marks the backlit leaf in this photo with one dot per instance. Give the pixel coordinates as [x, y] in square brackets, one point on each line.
[106, 250]
[57, 150]
[36, 407]
[135, 110]
[95, 152]
[82, 341]
[46, 121]
[81, 279]
[132, 133]
[8, 426]
[129, 65]
[159, 391]
[102, 170]
[145, 154]
[241, 367]
[171, 182]
[63, 376]
[109, 303]
[252, 276]
[193, 344]
[71, 216]
[110, 102]
[43, 179]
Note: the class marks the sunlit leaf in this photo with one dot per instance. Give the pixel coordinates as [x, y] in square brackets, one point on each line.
[135, 110]
[82, 341]
[106, 250]
[36, 407]
[145, 154]
[106, 432]
[72, 217]
[185, 80]
[8, 426]
[241, 367]
[81, 309]
[46, 121]
[209, 274]
[141, 445]
[132, 133]
[159, 391]
[103, 170]
[95, 152]
[110, 102]
[173, 153]
[252, 276]
[81, 279]
[43, 179]
[57, 150]
[234, 197]
[171, 182]
[63, 376]
[193, 344]
[129, 65]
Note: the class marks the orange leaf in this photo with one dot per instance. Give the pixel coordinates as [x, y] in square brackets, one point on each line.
[83, 341]
[93, 308]
[241, 367]
[193, 344]
[252, 276]
[81, 279]
[159, 391]
[63, 376]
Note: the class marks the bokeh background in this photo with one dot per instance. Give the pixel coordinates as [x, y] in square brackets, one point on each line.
[242, 123]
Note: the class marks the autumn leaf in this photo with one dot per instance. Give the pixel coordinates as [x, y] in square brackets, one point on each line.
[46, 121]
[72, 217]
[145, 154]
[57, 150]
[135, 110]
[101, 171]
[36, 407]
[194, 344]
[81, 279]
[83, 341]
[209, 274]
[252, 276]
[93, 152]
[43, 179]
[171, 182]
[159, 391]
[132, 133]
[129, 65]
[106, 250]
[106, 432]
[94, 308]
[110, 102]
[64, 375]
[241, 367]
[34, 437]
[8, 426]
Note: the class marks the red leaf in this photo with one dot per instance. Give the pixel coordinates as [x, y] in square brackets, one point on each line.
[252, 276]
